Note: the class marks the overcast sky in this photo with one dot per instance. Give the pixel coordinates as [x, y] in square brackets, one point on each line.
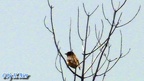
[27, 47]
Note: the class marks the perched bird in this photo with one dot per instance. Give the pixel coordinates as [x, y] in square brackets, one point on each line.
[72, 60]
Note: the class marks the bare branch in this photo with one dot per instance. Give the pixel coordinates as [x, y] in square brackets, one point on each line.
[102, 29]
[97, 34]
[119, 4]
[105, 15]
[85, 40]
[122, 5]
[121, 44]
[96, 48]
[85, 10]
[92, 63]
[56, 63]
[118, 7]
[88, 12]
[89, 32]
[126, 53]
[85, 47]
[55, 40]
[98, 39]
[100, 34]
[121, 54]
[131, 19]
[106, 71]
[105, 57]
[105, 46]
[94, 10]
[101, 48]
[75, 75]
[61, 69]
[64, 79]
[117, 59]
[46, 25]
[49, 4]
[112, 5]
[70, 36]
[78, 27]
[119, 18]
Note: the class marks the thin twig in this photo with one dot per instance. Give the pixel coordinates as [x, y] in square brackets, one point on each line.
[112, 5]
[130, 19]
[85, 9]
[78, 27]
[55, 40]
[89, 32]
[105, 15]
[92, 63]
[64, 79]
[70, 36]
[85, 47]
[46, 25]
[94, 10]
[106, 71]
[122, 5]
[88, 12]
[120, 56]
[74, 74]
[56, 63]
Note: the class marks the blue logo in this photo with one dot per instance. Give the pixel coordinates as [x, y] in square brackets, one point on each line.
[15, 76]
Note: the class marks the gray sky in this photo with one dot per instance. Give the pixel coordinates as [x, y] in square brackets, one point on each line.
[27, 47]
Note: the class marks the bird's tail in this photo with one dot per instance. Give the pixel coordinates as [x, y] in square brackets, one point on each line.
[79, 67]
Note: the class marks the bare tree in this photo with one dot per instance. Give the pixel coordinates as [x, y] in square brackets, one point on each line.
[101, 63]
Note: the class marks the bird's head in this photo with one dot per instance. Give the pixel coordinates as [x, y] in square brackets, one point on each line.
[69, 53]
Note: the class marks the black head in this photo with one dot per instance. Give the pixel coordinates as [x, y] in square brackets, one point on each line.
[69, 53]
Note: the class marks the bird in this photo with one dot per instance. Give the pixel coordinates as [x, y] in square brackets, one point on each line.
[72, 60]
